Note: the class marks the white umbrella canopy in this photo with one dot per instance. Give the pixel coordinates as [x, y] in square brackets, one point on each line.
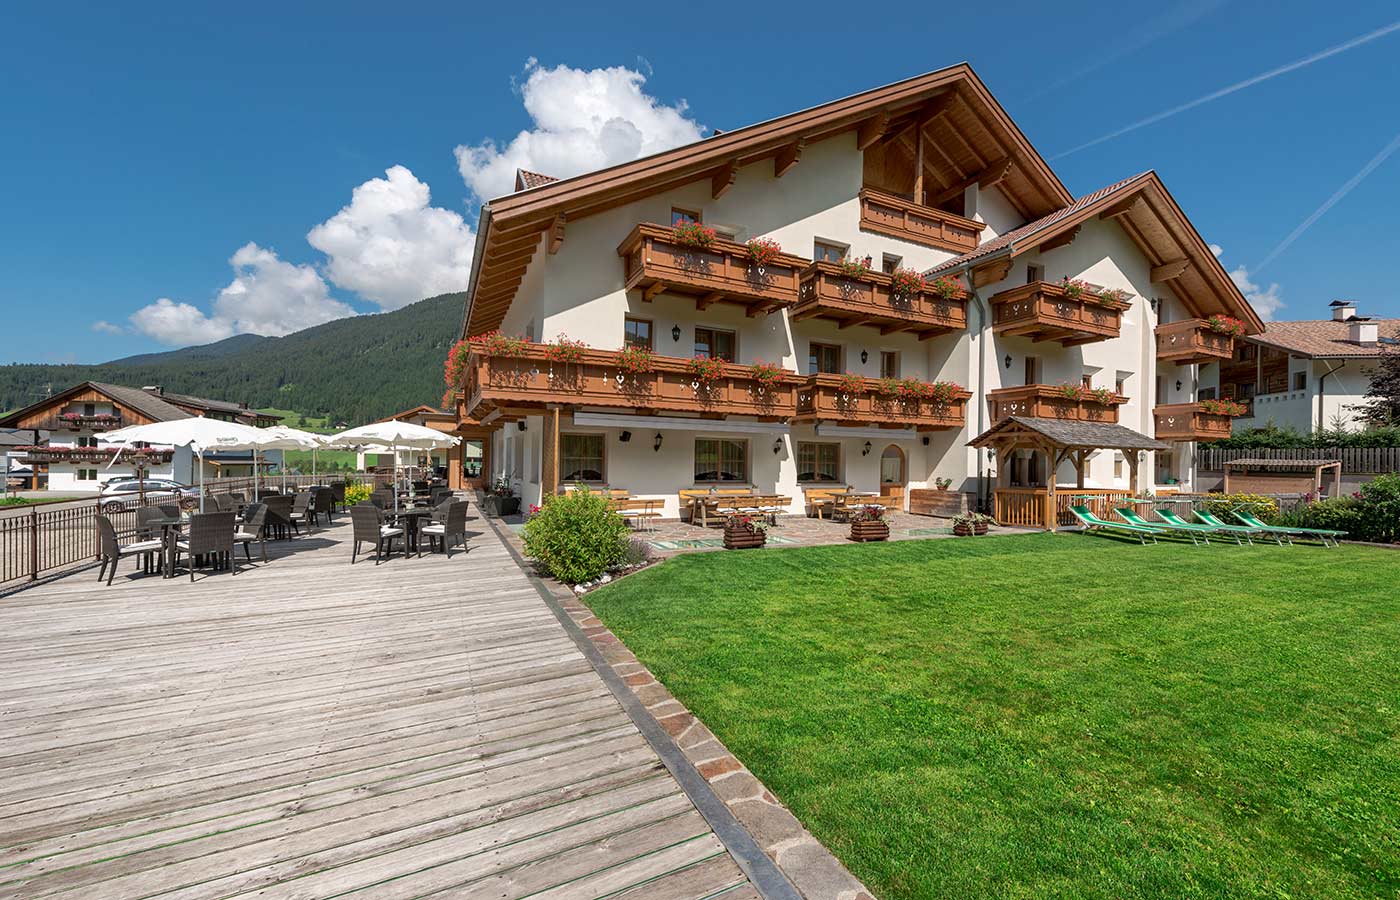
[284, 437]
[394, 435]
[199, 433]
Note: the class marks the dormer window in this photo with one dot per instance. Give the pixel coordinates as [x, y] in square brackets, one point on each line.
[679, 216]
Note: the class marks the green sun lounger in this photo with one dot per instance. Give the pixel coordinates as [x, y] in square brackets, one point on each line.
[1192, 531]
[1168, 515]
[1211, 519]
[1322, 534]
[1092, 522]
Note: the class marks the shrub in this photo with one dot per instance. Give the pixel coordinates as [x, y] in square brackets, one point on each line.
[357, 492]
[1379, 517]
[1265, 508]
[576, 537]
[1336, 513]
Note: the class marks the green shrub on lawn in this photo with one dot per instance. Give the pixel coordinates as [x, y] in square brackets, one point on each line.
[576, 537]
[1370, 514]
[357, 493]
[1265, 508]
[1334, 513]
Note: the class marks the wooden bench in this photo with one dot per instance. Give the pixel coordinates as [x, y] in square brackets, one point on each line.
[702, 501]
[637, 511]
[820, 500]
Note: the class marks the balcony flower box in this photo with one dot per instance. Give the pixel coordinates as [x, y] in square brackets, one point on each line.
[897, 217]
[1069, 312]
[1195, 341]
[744, 533]
[714, 270]
[852, 400]
[828, 291]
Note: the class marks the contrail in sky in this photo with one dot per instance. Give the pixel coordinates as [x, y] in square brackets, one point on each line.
[1331, 201]
[1237, 86]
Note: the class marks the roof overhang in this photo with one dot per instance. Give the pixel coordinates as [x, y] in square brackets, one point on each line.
[1065, 435]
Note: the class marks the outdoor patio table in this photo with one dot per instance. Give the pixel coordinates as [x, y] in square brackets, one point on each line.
[410, 518]
[169, 532]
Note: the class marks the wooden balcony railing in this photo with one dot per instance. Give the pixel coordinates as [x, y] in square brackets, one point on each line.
[1188, 422]
[910, 221]
[1192, 341]
[1047, 401]
[825, 293]
[510, 386]
[820, 399]
[720, 273]
[44, 455]
[1043, 311]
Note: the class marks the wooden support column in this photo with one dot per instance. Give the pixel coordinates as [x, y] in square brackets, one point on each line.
[1132, 456]
[1079, 460]
[1051, 507]
[454, 467]
[549, 462]
[919, 166]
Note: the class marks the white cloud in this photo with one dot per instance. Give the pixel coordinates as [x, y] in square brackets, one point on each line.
[391, 247]
[267, 296]
[583, 120]
[105, 327]
[1266, 301]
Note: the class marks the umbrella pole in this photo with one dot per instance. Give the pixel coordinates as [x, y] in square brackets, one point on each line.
[396, 478]
[200, 456]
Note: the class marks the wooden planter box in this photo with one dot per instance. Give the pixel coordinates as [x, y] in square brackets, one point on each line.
[870, 531]
[737, 537]
[497, 506]
[969, 530]
[933, 502]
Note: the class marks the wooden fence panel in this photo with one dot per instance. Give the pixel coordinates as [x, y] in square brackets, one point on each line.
[1355, 460]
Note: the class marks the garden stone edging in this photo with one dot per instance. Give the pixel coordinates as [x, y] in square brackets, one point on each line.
[813, 870]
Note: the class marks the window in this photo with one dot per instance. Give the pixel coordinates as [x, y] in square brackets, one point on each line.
[1032, 370]
[1117, 465]
[892, 466]
[823, 358]
[1300, 381]
[1087, 381]
[580, 458]
[1160, 396]
[1034, 273]
[636, 332]
[86, 440]
[818, 462]
[825, 251]
[89, 409]
[1120, 385]
[679, 215]
[889, 262]
[710, 343]
[889, 364]
[721, 460]
[87, 474]
[1205, 394]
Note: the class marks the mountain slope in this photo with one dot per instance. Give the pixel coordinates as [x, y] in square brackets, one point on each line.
[357, 369]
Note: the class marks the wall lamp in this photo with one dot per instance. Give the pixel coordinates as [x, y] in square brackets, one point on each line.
[864, 357]
[625, 436]
[866, 451]
[1178, 384]
[676, 333]
[520, 425]
[1008, 360]
[777, 446]
[656, 442]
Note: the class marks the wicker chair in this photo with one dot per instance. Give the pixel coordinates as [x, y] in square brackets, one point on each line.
[211, 535]
[225, 503]
[438, 495]
[452, 526]
[323, 502]
[369, 528]
[147, 531]
[382, 499]
[112, 550]
[302, 513]
[253, 528]
[338, 494]
[279, 515]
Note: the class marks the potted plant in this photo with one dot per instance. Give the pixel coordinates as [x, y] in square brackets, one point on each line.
[1073, 287]
[706, 370]
[868, 523]
[943, 483]
[768, 375]
[946, 287]
[1226, 325]
[763, 251]
[1072, 391]
[1104, 397]
[743, 532]
[501, 499]
[968, 524]
[855, 269]
[634, 360]
[494, 343]
[905, 283]
[851, 385]
[1224, 407]
[693, 235]
[1110, 297]
[564, 351]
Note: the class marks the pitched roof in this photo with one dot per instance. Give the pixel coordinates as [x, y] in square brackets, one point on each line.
[525, 179]
[1324, 338]
[147, 404]
[1068, 433]
[208, 405]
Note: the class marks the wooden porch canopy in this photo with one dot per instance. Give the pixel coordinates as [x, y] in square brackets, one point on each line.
[1060, 440]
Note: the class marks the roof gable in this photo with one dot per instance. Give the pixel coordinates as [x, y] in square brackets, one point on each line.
[1066, 433]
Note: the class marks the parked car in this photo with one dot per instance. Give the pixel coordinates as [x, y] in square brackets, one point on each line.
[118, 493]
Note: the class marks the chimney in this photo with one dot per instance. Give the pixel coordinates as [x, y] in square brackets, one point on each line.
[1361, 330]
[154, 389]
[1342, 310]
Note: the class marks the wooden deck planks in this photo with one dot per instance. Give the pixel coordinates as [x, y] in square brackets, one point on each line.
[307, 728]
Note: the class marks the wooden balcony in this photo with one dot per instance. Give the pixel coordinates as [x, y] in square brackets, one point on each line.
[504, 387]
[1191, 341]
[720, 273]
[904, 219]
[1188, 422]
[824, 293]
[1041, 311]
[47, 455]
[1048, 401]
[819, 399]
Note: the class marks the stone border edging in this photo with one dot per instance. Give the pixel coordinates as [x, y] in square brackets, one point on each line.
[765, 824]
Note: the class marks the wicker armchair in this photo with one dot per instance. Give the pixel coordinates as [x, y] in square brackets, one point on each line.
[112, 550]
[369, 528]
[302, 513]
[338, 494]
[323, 502]
[452, 527]
[279, 515]
[382, 498]
[210, 536]
[253, 528]
[438, 495]
[225, 503]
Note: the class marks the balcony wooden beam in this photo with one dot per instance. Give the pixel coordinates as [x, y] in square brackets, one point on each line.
[1121, 208]
[787, 158]
[706, 301]
[849, 323]
[990, 175]
[556, 233]
[1060, 240]
[991, 273]
[1170, 269]
[652, 290]
[871, 130]
[723, 179]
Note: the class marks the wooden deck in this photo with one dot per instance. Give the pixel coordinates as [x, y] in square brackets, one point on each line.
[309, 729]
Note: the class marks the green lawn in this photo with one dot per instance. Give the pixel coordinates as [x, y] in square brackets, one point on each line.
[1053, 715]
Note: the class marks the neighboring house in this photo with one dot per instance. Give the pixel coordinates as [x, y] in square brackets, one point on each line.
[929, 175]
[76, 461]
[1309, 375]
[464, 463]
[18, 474]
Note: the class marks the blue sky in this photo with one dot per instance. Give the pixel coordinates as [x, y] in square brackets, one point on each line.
[147, 148]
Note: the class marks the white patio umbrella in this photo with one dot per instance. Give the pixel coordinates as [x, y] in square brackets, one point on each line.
[199, 433]
[283, 437]
[395, 436]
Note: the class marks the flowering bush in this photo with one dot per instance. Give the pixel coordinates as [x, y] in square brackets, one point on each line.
[851, 383]
[856, 269]
[887, 387]
[706, 369]
[946, 286]
[763, 251]
[563, 350]
[1074, 288]
[1225, 325]
[906, 282]
[493, 343]
[1223, 407]
[634, 360]
[1072, 391]
[693, 234]
[576, 536]
[1104, 397]
[766, 373]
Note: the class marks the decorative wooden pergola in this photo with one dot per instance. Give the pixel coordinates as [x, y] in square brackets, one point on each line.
[1268, 476]
[1057, 440]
